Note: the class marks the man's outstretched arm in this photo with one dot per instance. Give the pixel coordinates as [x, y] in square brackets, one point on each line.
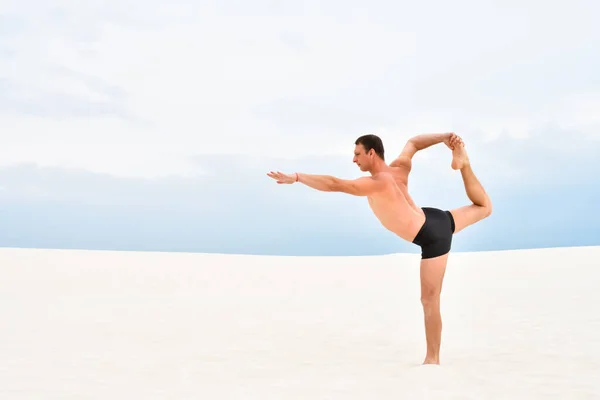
[364, 186]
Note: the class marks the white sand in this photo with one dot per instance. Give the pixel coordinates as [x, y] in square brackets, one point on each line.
[118, 325]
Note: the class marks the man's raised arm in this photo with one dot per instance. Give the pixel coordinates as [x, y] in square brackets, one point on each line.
[417, 143]
[364, 186]
[425, 140]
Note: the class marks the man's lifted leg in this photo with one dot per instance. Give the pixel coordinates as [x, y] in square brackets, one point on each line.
[482, 205]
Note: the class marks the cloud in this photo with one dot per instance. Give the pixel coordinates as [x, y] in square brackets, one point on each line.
[10, 25]
[151, 124]
[57, 105]
[140, 89]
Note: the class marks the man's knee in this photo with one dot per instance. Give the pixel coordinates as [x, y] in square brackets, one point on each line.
[487, 210]
[430, 299]
[487, 207]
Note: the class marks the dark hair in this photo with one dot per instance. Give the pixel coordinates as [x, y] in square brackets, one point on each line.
[372, 142]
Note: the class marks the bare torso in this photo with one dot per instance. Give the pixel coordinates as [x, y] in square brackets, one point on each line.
[394, 207]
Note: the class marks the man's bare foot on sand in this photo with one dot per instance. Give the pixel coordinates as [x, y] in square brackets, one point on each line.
[460, 159]
[431, 361]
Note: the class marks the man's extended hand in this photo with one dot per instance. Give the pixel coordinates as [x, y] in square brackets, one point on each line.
[280, 177]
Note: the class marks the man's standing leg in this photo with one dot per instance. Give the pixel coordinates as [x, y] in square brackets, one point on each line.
[432, 277]
[434, 269]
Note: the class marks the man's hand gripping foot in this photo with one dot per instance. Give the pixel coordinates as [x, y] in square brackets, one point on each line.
[460, 159]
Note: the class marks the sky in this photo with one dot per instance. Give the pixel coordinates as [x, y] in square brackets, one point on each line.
[134, 125]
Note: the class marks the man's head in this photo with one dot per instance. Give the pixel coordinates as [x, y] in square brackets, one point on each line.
[368, 150]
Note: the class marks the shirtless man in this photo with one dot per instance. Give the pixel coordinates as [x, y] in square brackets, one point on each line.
[431, 229]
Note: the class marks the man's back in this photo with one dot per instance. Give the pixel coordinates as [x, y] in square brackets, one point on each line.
[400, 174]
[394, 207]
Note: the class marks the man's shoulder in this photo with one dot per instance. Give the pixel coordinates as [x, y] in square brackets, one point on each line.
[399, 173]
[384, 176]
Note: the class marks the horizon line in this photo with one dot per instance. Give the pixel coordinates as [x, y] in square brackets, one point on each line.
[180, 252]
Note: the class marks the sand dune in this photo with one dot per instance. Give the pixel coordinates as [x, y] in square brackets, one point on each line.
[126, 325]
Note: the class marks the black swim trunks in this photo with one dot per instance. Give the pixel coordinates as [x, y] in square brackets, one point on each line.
[435, 236]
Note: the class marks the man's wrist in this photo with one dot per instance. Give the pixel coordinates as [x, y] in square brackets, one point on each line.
[297, 177]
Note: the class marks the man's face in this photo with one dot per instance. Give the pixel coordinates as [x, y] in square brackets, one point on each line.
[361, 158]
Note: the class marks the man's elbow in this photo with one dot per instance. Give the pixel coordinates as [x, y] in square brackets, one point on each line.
[340, 186]
[347, 187]
[335, 185]
[412, 145]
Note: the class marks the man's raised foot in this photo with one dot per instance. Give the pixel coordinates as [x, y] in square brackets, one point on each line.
[460, 159]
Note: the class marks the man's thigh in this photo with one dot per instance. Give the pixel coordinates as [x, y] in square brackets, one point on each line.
[432, 274]
[468, 215]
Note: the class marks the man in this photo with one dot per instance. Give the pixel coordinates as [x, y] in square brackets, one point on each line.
[430, 228]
